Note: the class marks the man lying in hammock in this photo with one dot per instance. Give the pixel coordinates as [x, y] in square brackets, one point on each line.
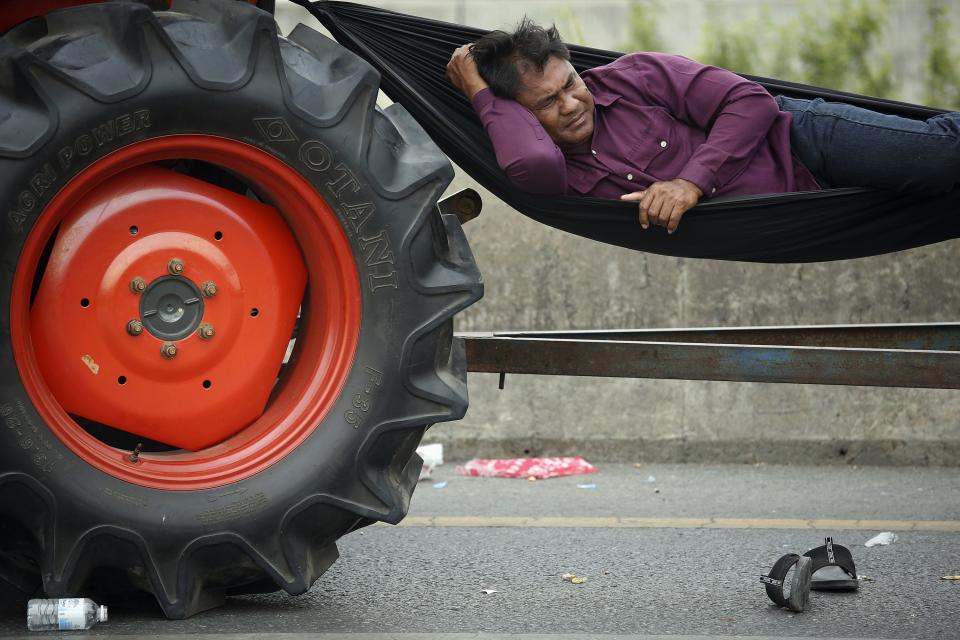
[664, 131]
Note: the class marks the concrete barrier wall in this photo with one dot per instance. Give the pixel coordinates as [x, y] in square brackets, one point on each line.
[538, 278]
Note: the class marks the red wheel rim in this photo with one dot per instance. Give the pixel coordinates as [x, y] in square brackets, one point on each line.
[326, 341]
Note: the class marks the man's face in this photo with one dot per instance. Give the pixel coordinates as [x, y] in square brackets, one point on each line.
[560, 101]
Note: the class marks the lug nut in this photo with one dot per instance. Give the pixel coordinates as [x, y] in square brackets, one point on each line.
[205, 331]
[175, 267]
[209, 288]
[466, 208]
[137, 285]
[168, 350]
[134, 327]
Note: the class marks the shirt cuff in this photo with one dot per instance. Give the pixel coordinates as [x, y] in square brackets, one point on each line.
[482, 99]
[701, 176]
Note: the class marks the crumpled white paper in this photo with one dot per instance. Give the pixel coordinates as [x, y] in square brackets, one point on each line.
[432, 455]
[886, 537]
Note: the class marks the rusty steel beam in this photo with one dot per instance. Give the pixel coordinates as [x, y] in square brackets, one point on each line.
[943, 336]
[495, 353]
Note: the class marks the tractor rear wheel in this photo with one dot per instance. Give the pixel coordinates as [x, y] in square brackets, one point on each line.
[227, 302]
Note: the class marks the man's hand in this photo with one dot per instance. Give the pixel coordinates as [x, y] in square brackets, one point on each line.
[664, 203]
[462, 72]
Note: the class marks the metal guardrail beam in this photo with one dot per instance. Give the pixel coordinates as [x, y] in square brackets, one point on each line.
[648, 354]
[944, 336]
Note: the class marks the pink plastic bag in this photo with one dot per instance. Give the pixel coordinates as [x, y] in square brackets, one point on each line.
[538, 468]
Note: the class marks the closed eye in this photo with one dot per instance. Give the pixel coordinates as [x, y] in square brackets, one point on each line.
[546, 102]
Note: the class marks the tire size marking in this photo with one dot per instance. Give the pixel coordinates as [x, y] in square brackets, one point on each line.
[238, 509]
[29, 437]
[342, 184]
[122, 497]
[362, 401]
[239, 491]
[101, 135]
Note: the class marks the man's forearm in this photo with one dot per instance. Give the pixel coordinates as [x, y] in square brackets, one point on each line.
[524, 151]
[737, 132]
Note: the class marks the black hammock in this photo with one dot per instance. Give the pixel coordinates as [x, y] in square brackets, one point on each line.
[411, 54]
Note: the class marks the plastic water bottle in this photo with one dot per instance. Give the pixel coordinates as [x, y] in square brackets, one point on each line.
[64, 614]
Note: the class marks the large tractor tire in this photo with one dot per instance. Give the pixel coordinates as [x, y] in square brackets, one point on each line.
[227, 302]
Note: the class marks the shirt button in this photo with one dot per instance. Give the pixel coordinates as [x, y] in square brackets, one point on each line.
[663, 144]
[629, 176]
[593, 152]
[714, 190]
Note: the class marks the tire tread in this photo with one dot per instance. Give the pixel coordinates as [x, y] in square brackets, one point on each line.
[220, 44]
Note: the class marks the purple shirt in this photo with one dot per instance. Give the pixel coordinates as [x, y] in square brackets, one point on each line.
[658, 117]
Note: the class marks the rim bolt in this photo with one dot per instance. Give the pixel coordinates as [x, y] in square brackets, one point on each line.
[168, 350]
[175, 267]
[209, 288]
[205, 331]
[137, 285]
[134, 327]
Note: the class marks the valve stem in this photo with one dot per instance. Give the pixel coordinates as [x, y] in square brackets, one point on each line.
[135, 456]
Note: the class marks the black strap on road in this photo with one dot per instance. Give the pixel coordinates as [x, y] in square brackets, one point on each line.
[411, 54]
[832, 554]
[800, 582]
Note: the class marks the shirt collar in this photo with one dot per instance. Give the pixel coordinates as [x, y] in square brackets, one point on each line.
[604, 98]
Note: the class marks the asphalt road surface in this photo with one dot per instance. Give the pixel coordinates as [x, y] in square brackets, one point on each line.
[667, 551]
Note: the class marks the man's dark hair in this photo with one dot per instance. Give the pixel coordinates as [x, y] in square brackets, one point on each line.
[502, 57]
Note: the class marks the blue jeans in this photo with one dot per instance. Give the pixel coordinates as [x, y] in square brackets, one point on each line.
[847, 146]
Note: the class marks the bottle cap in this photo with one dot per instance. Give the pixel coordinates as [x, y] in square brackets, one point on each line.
[102, 613]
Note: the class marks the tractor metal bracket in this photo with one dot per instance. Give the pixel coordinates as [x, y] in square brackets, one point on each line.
[465, 204]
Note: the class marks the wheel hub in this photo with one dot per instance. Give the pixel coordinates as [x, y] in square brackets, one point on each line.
[171, 308]
[65, 352]
[126, 337]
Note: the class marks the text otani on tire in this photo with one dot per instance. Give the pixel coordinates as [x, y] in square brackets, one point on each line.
[183, 192]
